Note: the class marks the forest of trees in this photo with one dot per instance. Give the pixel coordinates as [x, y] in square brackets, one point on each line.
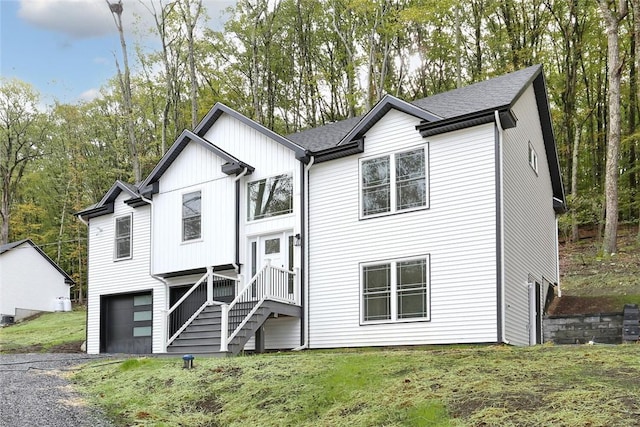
[294, 64]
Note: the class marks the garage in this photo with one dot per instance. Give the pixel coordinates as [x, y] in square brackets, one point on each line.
[126, 323]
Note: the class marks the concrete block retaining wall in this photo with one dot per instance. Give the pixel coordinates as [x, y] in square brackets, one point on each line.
[604, 328]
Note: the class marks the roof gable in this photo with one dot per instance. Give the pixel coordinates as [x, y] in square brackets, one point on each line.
[478, 99]
[106, 204]
[9, 246]
[219, 108]
[233, 165]
[381, 108]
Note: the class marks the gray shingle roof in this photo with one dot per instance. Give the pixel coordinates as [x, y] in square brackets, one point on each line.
[485, 95]
[326, 136]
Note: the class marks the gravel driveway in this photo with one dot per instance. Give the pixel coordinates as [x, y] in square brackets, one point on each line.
[33, 393]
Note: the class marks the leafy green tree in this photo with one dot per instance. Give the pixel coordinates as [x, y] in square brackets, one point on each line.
[22, 140]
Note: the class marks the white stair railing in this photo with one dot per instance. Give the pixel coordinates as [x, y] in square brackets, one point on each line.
[204, 286]
[272, 283]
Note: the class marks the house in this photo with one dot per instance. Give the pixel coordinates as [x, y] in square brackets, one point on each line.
[424, 222]
[30, 282]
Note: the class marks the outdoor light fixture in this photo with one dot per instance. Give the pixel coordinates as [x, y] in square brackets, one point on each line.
[297, 240]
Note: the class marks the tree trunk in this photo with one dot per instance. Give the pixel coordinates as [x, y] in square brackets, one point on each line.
[125, 86]
[612, 22]
[575, 232]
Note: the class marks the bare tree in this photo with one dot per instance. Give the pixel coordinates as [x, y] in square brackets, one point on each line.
[125, 86]
[191, 10]
[167, 39]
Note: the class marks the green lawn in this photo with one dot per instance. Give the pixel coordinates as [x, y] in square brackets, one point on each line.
[63, 331]
[433, 386]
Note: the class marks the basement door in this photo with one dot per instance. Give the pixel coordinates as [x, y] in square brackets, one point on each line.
[126, 323]
[535, 313]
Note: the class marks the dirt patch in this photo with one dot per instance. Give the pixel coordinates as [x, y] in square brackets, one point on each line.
[465, 407]
[570, 304]
[209, 405]
[68, 347]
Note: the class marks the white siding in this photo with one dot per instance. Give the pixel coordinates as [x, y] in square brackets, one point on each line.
[196, 168]
[457, 231]
[529, 218]
[28, 281]
[269, 158]
[109, 277]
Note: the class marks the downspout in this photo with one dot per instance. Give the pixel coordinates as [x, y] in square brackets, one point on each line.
[500, 207]
[158, 278]
[236, 264]
[86, 315]
[86, 223]
[305, 254]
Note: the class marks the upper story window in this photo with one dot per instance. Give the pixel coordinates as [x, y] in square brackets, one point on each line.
[270, 197]
[395, 290]
[533, 158]
[191, 216]
[122, 246]
[394, 183]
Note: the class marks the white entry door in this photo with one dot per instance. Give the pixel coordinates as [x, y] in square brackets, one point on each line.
[277, 247]
[274, 249]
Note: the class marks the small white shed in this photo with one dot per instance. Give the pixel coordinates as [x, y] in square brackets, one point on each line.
[30, 282]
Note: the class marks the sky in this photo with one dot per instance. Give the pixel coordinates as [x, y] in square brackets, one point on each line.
[65, 48]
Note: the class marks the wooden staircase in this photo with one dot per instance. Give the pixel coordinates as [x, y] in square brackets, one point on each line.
[202, 336]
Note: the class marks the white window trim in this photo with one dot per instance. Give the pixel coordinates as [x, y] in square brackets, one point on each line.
[115, 237]
[247, 220]
[394, 291]
[392, 183]
[201, 238]
[533, 158]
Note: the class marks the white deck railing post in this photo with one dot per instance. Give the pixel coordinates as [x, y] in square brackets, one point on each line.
[296, 285]
[267, 290]
[224, 327]
[210, 285]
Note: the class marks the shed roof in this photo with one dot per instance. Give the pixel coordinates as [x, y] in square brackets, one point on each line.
[9, 246]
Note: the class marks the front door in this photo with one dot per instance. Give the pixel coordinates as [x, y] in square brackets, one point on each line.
[277, 248]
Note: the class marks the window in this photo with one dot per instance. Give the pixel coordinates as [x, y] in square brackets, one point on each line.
[395, 290]
[272, 246]
[191, 216]
[270, 197]
[408, 182]
[533, 158]
[123, 237]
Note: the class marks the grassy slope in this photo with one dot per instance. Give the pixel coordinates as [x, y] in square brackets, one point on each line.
[63, 331]
[433, 386]
[593, 283]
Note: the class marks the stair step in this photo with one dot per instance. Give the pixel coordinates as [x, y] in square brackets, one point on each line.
[199, 350]
[210, 315]
[206, 322]
[182, 342]
[199, 334]
[202, 327]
